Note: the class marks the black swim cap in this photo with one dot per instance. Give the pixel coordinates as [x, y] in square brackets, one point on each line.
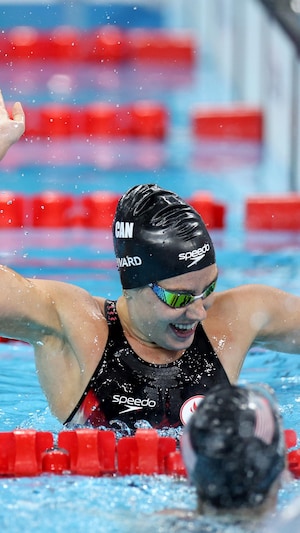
[233, 446]
[158, 236]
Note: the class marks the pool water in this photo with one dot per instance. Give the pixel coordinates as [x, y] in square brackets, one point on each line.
[230, 172]
[131, 503]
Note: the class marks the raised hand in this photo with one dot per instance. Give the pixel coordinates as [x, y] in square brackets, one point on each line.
[11, 129]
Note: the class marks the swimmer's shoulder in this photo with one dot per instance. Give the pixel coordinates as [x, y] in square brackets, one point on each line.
[69, 299]
[239, 297]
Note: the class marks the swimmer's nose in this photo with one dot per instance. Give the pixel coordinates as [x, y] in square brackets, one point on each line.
[196, 311]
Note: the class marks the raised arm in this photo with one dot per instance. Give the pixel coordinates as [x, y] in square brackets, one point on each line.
[64, 324]
[11, 129]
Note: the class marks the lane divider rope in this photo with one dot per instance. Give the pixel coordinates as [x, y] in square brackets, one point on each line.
[54, 209]
[92, 452]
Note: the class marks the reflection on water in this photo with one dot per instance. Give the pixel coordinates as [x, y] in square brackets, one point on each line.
[131, 504]
[117, 504]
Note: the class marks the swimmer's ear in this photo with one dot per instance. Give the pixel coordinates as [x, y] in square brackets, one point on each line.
[129, 293]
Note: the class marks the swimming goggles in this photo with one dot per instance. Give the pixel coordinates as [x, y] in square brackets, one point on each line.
[176, 300]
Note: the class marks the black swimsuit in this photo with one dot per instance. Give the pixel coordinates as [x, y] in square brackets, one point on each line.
[126, 388]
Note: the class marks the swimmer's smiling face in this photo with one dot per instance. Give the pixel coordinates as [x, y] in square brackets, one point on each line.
[171, 328]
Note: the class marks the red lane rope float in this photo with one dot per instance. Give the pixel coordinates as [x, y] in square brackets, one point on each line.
[105, 44]
[234, 122]
[21, 452]
[142, 119]
[148, 119]
[99, 209]
[270, 212]
[12, 210]
[147, 453]
[63, 44]
[160, 46]
[105, 119]
[55, 120]
[92, 452]
[88, 452]
[54, 209]
[22, 43]
[212, 212]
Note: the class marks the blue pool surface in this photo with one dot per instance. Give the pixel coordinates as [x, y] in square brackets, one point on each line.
[132, 503]
[80, 14]
[231, 172]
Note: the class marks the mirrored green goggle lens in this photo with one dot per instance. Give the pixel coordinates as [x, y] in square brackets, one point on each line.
[180, 299]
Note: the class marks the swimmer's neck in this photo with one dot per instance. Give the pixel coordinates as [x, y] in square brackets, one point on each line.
[146, 349]
[128, 326]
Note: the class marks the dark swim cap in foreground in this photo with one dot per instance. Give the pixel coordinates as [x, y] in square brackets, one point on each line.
[158, 236]
[233, 446]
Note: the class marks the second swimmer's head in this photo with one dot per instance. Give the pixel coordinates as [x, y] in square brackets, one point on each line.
[234, 447]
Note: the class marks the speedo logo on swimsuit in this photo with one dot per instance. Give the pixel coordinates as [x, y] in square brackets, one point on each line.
[128, 261]
[124, 230]
[132, 404]
[195, 255]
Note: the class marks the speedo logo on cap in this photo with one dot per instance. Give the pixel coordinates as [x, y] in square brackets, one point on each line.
[124, 230]
[195, 255]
